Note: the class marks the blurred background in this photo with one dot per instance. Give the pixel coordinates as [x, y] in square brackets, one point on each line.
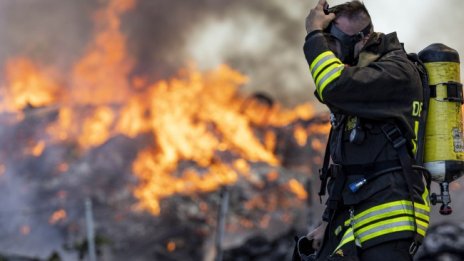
[159, 113]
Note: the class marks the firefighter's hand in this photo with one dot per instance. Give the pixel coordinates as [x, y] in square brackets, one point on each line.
[317, 235]
[317, 19]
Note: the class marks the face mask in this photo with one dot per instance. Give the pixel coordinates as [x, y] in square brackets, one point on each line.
[347, 42]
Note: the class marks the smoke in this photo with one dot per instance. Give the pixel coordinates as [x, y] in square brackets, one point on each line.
[49, 31]
[24, 210]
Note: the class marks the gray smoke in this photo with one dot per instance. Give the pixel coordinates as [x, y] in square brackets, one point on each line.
[49, 31]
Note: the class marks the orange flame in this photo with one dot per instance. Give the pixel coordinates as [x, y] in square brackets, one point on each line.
[297, 189]
[300, 135]
[27, 85]
[272, 176]
[206, 117]
[38, 148]
[193, 117]
[101, 76]
[63, 167]
[25, 230]
[171, 246]
[57, 216]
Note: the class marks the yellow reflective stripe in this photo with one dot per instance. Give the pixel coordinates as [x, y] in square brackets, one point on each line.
[378, 216]
[390, 226]
[323, 63]
[392, 229]
[385, 227]
[422, 225]
[320, 57]
[425, 217]
[386, 212]
[425, 197]
[327, 72]
[338, 230]
[332, 77]
[323, 75]
[347, 237]
[420, 208]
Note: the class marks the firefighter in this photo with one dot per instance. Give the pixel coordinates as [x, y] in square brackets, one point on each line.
[378, 206]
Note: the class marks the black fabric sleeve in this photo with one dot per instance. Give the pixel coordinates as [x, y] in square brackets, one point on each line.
[314, 45]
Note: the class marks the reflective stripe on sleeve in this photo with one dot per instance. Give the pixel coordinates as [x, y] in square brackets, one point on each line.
[323, 63]
[328, 77]
[325, 69]
[316, 62]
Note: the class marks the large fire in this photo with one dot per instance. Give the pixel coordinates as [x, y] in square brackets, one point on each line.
[193, 117]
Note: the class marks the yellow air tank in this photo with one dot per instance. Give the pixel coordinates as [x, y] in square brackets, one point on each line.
[444, 144]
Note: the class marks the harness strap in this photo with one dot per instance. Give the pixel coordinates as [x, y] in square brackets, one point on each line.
[453, 90]
[324, 171]
[394, 135]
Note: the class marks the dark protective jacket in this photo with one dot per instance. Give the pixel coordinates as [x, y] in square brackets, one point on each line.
[383, 87]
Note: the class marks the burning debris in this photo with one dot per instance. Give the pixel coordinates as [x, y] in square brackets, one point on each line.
[152, 156]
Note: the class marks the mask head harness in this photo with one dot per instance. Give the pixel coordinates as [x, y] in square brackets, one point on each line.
[347, 42]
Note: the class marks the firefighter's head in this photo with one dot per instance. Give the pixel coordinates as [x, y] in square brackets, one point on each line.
[351, 28]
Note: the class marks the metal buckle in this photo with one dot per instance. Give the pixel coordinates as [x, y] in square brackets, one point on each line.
[395, 136]
[413, 248]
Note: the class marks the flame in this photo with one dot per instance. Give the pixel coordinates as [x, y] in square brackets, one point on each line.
[57, 216]
[193, 117]
[206, 119]
[265, 221]
[317, 145]
[270, 140]
[38, 148]
[157, 181]
[272, 176]
[106, 63]
[63, 167]
[242, 166]
[282, 117]
[297, 189]
[26, 86]
[301, 135]
[171, 246]
[96, 129]
[25, 230]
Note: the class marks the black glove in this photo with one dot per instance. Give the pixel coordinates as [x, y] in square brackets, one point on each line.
[303, 250]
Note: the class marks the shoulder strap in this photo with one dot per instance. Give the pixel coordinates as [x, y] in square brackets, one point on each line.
[394, 135]
[413, 57]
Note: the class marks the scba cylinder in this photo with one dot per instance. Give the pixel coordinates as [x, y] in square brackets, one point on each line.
[444, 144]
